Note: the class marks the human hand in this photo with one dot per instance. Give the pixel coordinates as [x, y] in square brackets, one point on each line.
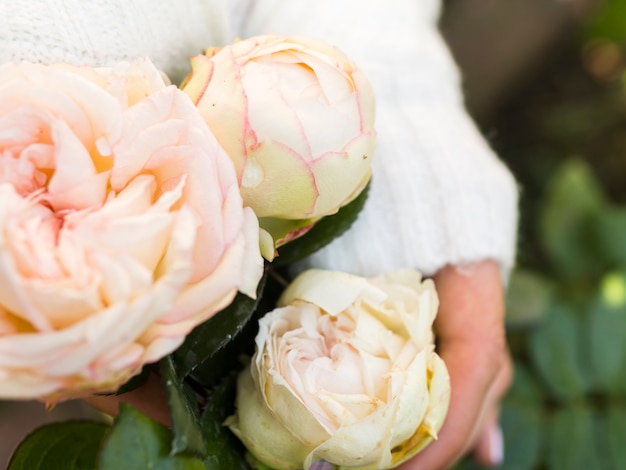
[470, 330]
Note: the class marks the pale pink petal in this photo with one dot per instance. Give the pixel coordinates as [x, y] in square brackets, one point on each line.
[119, 212]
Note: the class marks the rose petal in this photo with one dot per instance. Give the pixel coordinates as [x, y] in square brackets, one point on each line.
[275, 446]
[314, 286]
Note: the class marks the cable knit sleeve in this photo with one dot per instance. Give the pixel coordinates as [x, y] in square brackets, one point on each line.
[107, 31]
[439, 194]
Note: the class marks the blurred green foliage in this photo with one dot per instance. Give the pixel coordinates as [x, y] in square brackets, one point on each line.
[567, 331]
[609, 22]
[566, 142]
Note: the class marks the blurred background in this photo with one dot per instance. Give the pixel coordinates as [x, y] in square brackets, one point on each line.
[545, 80]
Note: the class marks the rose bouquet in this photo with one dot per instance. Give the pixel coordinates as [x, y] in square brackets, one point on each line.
[134, 219]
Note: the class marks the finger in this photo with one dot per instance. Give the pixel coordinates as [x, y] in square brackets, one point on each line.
[150, 398]
[470, 328]
[472, 373]
[489, 448]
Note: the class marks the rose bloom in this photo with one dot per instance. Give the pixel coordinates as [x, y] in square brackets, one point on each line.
[121, 226]
[345, 371]
[297, 118]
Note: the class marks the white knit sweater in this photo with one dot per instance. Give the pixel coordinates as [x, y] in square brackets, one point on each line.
[439, 194]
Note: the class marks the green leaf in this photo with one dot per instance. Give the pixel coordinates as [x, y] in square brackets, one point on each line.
[572, 442]
[611, 233]
[608, 22]
[135, 382]
[616, 428]
[574, 199]
[184, 410]
[522, 426]
[322, 233]
[607, 335]
[223, 449]
[70, 445]
[528, 297]
[555, 348]
[135, 442]
[180, 462]
[215, 333]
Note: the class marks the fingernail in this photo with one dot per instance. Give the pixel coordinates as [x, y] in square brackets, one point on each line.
[496, 445]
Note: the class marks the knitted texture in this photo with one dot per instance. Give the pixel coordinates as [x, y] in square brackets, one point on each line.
[439, 194]
[100, 33]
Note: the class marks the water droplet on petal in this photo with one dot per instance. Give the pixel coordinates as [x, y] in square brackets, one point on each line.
[252, 174]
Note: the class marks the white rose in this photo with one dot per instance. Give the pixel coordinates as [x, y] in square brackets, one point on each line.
[345, 371]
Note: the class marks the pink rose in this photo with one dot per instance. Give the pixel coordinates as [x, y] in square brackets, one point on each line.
[121, 226]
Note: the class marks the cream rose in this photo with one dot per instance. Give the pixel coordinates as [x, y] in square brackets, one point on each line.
[121, 226]
[345, 371]
[297, 118]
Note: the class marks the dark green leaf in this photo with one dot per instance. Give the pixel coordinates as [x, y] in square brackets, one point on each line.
[523, 435]
[574, 199]
[555, 348]
[224, 450]
[215, 333]
[184, 410]
[528, 297]
[224, 361]
[227, 359]
[136, 381]
[180, 462]
[572, 442]
[136, 442]
[322, 233]
[71, 445]
[616, 428]
[607, 335]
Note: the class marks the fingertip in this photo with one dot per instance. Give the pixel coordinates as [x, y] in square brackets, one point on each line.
[490, 447]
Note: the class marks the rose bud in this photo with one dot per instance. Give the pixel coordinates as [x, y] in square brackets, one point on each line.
[296, 116]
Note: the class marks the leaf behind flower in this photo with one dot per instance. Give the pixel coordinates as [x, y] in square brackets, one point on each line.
[184, 412]
[136, 442]
[70, 445]
[215, 333]
[224, 450]
[322, 233]
[179, 462]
